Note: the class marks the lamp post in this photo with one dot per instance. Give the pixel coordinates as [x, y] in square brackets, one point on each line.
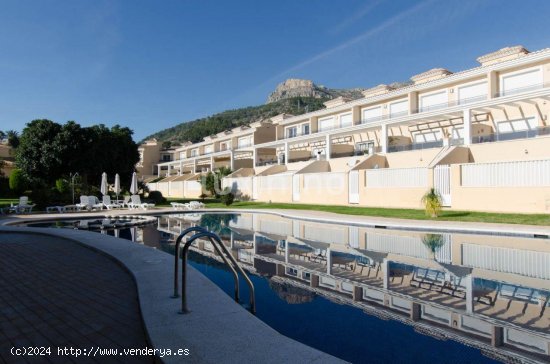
[72, 182]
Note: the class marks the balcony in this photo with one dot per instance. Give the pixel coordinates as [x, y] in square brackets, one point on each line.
[415, 146]
[444, 105]
[384, 117]
[520, 90]
[524, 134]
[244, 145]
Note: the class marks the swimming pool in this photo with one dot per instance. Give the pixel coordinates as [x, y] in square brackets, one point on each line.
[378, 295]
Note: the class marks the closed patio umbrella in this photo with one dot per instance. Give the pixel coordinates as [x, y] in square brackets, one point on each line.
[104, 188]
[117, 185]
[134, 185]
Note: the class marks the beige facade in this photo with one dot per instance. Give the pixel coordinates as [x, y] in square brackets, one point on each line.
[388, 148]
[7, 158]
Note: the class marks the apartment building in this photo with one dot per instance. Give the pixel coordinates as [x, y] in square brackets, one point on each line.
[236, 149]
[7, 159]
[479, 136]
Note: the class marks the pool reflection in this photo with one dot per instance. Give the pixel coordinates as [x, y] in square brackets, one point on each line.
[491, 292]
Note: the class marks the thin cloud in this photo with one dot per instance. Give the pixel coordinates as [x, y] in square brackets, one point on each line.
[361, 37]
[355, 17]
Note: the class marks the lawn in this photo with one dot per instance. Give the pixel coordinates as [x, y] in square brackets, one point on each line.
[7, 201]
[416, 214]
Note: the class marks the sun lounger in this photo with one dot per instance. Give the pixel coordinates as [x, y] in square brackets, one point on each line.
[109, 205]
[83, 205]
[23, 206]
[137, 204]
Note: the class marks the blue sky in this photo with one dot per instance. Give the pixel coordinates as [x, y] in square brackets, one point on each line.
[150, 65]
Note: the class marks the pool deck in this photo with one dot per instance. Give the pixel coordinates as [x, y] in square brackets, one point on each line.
[216, 331]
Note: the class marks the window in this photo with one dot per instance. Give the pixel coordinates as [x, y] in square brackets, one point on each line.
[519, 82]
[182, 155]
[428, 136]
[510, 126]
[166, 158]
[399, 108]
[305, 129]
[346, 120]
[472, 93]
[365, 147]
[373, 114]
[244, 142]
[434, 101]
[225, 146]
[291, 132]
[194, 152]
[208, 149]
[326, 123]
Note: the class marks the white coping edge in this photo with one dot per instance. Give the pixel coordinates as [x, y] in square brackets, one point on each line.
[216, 331]
[515, 230]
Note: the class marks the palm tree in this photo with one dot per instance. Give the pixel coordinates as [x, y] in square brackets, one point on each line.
[432, 202]
[433, 242]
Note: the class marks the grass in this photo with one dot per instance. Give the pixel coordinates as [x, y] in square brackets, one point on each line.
[415, 214]
[7, 201]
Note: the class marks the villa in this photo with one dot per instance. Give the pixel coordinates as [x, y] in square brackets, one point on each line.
[474, 135]
[7, 159]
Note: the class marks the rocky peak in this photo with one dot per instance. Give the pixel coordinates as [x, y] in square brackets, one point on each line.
[295, 87]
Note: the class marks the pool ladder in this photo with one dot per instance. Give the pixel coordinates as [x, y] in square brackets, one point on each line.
[227, 258]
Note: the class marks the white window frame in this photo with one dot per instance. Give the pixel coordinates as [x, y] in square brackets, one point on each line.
[340, 119]
[378, 118]
[208, 149]
[515, 73]
[470, 84]
[195, 152]
[247, 142]
[431, 107]
[406, 100]
[327, 118]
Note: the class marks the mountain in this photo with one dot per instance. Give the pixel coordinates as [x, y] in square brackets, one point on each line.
[291, 97]
[294, 87]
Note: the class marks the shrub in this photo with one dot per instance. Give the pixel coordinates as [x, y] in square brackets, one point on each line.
[18, 182]
[202, 196]
[156, 197]
[227, 196]
[62, 185]
[432, 202]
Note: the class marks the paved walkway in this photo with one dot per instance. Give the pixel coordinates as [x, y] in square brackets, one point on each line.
[56, 293]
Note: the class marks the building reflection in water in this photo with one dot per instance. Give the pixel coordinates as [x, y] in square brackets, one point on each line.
[488, 291]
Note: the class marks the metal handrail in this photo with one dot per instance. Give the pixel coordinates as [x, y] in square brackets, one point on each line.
[203, 233]
[200, 229]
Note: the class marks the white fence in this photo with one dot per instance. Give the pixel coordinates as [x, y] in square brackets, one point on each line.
[397, 177]
[412, 246]
[274, 182]
[524, 262]
[506, 174]
[238, 185]
[330, 181]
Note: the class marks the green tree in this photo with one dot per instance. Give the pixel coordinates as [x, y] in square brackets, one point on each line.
[13, 138]
[18, 182]
[49, 151]
[2, 135]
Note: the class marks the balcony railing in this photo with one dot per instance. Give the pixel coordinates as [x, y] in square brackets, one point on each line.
[524, 134]
[244, 145]
[452, 103]
[383, 117]
[415, 146]
[520, 90]
[293, 135]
